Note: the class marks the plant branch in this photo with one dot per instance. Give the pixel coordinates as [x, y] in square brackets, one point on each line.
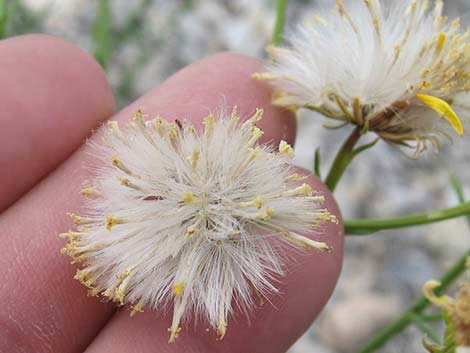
[368, 226]
[342, 160]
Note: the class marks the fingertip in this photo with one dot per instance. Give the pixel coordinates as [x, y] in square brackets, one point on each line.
[59, 58]
[53, 94]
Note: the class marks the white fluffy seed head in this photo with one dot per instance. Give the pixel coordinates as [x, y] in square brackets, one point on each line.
[197, 220]
[401, 70]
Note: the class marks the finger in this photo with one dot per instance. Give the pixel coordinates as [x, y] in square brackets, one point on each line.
[273, 327]
[48, 310]
[52, 95]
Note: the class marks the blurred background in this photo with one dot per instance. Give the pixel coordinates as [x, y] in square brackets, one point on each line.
[142, 42]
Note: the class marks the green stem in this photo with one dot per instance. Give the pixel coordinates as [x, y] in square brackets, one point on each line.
[342, 160]
[281, 7]
[368, 226]
[457, 188]
[415, 310]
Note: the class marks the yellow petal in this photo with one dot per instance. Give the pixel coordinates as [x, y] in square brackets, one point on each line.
[444, 109]
[428, 290]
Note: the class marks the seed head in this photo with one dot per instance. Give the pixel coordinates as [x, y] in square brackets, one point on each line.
[191, 219]
[401, 70]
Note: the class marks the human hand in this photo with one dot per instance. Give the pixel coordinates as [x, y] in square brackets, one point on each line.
[53, 94]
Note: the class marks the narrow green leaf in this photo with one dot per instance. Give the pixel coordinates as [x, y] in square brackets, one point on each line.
[335, 127]
[3, 18]
[365, 147]
[102, 34]
[316, 165]
[421, 324]
[281, 7]
[458, 188]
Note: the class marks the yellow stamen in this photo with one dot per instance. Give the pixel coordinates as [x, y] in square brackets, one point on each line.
[138, 308]
[342, 12]
[138, 115]
[193, 228]
[305, 189]
[260, 76]
[121, 291]
[286, 149]
[221, 329]
[172, 132]
[317, 19]
[88, 192]
[114, 127]
[111, 221]
[93, 292]
[254, 153]
[440, 42]
[233, 118]
[258, 202]
[318, 199]
[256, 117]
[296, 177]
[305, 242]
[444, 110]
[234, 113]
[174, 333]
[82, 274]
[140, 122]
[325, 216]
[256, 134]
[209, 122]
[195, 157]
[190, 231]
[267, 214]
[425, 85]
[375, 17]
[118, 164]
[188, 197]
[70, 235]
[78, 220]
[159, 125]
[178, 288]
[129, 184]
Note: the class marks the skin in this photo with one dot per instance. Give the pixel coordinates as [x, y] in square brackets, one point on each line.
[54, 96]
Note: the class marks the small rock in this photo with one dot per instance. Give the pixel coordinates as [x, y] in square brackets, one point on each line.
[351, 322]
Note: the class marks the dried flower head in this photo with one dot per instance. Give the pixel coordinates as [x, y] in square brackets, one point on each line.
[456, 312]
[401, 70]
[197, 220]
